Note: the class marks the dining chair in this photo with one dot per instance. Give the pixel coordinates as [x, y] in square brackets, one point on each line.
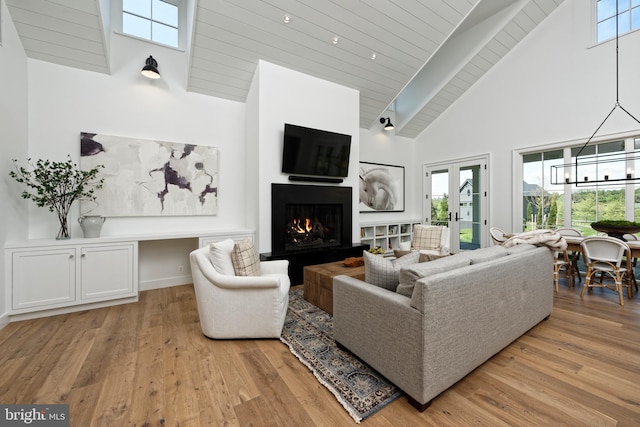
[497, 235]
[634, 261]
[574, 256]
[561, 261]
[604, 254]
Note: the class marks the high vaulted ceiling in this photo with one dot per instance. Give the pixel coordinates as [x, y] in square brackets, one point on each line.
[427, 53]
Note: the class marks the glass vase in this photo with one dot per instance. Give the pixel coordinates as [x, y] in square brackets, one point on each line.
[63, 232]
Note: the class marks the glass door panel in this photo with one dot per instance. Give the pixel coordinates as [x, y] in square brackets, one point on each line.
[439, 198]
[456, 197]
[470, 203]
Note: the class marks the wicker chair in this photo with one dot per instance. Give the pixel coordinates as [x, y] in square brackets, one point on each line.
[561, 261]
[497, 235]
[574, 257]
[603, 254]
[634, 261]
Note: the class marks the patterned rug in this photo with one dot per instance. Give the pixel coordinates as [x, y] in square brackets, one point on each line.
[308, 331]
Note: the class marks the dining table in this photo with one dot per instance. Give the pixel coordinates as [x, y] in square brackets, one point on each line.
[574, 245]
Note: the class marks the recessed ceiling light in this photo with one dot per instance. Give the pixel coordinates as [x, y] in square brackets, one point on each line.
[335, 40]
[373, 55]
[286, 19]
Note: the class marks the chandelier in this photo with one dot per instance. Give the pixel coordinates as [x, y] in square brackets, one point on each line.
[612, 168]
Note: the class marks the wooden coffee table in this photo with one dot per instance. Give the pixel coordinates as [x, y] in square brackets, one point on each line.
[318, 282]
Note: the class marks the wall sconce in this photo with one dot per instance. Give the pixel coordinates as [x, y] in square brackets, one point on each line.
[150, 70]
[388, 125]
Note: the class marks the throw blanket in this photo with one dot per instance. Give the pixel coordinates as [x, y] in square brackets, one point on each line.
[552, 239]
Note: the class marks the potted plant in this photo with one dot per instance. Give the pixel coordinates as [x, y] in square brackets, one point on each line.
[616, 228]
[56, 185]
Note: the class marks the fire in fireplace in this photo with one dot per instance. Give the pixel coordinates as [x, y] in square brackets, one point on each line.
[312, 226]
[314, 217]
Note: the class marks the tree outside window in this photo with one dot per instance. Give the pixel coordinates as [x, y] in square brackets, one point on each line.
[597, 202]
[543, 203]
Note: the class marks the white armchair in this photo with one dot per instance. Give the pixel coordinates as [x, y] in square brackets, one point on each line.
[240, 306]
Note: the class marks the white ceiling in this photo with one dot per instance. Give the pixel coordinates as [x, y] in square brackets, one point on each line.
[428, 53]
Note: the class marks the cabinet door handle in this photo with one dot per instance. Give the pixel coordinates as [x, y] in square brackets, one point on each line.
[83, 255]
[70, 256]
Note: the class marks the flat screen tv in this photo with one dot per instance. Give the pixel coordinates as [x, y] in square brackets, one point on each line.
[315, 152]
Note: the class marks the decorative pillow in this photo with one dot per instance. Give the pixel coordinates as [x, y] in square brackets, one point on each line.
[427, 237]
[245, 259]
[383, 272]
[220, 254]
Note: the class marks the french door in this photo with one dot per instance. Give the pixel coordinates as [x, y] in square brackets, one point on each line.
[456, 196]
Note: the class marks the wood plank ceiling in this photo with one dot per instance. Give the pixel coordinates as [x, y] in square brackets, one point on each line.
[427, 53]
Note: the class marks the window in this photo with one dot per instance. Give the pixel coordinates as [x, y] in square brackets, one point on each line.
[543, 203]
[154, 20]
[550, 206]
[628, 18]
[594, 203]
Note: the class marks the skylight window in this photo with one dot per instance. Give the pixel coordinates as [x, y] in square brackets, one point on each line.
[628, 18]
[154, 20]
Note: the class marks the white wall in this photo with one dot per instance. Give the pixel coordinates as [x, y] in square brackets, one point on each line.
[552, 88]
[65, 101]
[380, 146]
[13, 140]
[286, 96]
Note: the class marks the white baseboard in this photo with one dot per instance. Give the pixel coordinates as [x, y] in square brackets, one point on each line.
[4, 320]
[71, 309]
[167, 282]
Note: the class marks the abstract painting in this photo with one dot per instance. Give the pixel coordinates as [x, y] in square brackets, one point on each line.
[150, 178]
[381, 187]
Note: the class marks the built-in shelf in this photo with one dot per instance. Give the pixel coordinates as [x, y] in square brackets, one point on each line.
[387, 235]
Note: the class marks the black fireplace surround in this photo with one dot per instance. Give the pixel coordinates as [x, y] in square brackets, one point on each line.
[284, 196]
[336, 243]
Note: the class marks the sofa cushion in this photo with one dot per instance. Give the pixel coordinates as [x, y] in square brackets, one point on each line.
[245, 259]
[220, 254]
[409, 275]
[383, 272]
[485, 254]
[427, 237]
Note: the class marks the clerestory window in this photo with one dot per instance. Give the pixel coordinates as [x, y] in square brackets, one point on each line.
[628, 18]
[153, 20]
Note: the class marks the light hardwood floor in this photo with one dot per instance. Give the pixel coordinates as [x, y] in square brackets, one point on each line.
[148, 364]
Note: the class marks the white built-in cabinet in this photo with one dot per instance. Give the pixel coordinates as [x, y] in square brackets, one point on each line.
[56, 276]
[47, 277]
[387, 235]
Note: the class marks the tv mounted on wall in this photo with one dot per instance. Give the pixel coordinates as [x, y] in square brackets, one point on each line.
[315, 153]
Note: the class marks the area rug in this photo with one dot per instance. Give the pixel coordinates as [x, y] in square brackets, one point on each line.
[308, 331]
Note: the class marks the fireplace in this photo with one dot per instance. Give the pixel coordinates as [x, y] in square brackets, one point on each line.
[310, 217]
[310, 224]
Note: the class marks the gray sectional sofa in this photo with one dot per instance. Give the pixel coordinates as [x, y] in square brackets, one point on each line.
[447, 316]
